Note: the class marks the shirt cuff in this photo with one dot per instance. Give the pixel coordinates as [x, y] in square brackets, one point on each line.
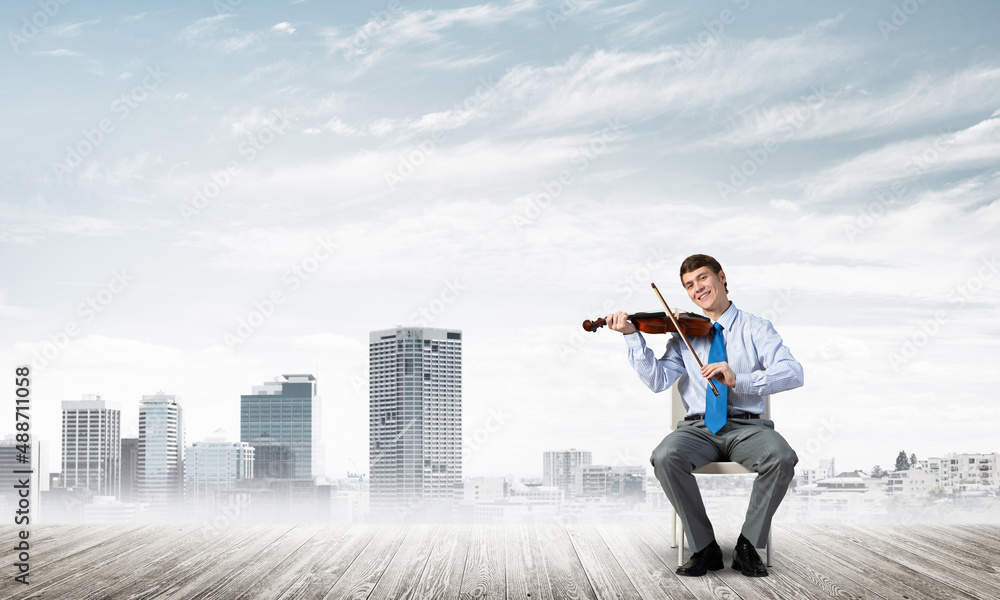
[634, 340]
[744, 383]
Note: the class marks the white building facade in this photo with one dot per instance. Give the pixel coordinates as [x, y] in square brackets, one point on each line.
[212, 465]
[160, 465]
[91, 446]
[415, 421]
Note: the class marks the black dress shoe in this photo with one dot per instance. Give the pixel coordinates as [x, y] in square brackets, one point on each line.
[746, 560]
[707, 559]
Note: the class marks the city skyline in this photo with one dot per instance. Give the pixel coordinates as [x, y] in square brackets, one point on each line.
[201, 196]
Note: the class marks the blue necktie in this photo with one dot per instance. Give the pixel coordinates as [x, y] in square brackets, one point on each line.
[715, 408]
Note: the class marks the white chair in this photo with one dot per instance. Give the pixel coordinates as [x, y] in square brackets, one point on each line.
[677, 413]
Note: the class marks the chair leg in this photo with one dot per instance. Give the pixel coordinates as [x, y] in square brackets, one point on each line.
[767, 551]
[680, 546]
[673, 528]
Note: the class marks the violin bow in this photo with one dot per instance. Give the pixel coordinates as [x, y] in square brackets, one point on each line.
[680, 330]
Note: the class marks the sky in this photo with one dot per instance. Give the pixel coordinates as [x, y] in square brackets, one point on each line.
[198, 197]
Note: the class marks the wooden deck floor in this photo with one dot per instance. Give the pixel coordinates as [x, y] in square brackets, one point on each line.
[898, 562]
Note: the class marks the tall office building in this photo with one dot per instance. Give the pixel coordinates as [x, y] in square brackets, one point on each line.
[561, 469]
[15, 467]
[91, 445]
[282, 421]
[214, 465]
[160, 466]
[415, 421]
[130, 469]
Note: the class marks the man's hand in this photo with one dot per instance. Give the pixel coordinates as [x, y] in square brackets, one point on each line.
[619, 322]
[720, 371]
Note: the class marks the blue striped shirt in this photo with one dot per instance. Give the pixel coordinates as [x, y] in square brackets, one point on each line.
[762, 363]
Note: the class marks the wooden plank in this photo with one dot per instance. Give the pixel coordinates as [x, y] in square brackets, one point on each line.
[784, 580]
[605, 573]
[360, 578]
[932, 565]
[526, 579]
[657, 539]
[815, 568]
[85, 563]
[563, 569]
[124, 573]
[252, 571]
[295, 565]
[648, 574]
[407, 565]
[322, 562]
[888, 569]
[982, 537]
[965, 553]
[442, 576]
[184, 572]
[484, 574]
[825, 548]
[897, 562]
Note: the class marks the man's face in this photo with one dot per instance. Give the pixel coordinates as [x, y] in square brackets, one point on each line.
[706, 289]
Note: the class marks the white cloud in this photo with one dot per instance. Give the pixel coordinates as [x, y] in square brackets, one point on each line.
[283, 27]
[71, 29]
[643, 84]
[822, 113]
[59, 52]
[905, 161]
[386, 33]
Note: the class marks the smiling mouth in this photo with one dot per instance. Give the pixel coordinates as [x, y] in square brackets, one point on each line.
[703, 296]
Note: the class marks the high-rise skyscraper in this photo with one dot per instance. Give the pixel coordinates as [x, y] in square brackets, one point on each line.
[282, 421]
[415, 421]
[91, 445]
[160, 467]
[15, 467]
[214, 465]
[561, 469]
[130, 469]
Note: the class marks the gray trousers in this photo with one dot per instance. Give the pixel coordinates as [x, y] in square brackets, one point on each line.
[751, 442]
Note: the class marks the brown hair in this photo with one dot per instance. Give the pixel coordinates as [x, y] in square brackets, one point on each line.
[697, 261]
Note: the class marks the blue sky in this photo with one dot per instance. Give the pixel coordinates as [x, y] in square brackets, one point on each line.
[197, 198]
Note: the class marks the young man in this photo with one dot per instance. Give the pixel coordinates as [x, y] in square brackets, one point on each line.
[745, 357]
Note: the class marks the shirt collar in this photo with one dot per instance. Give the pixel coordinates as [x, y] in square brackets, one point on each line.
[728, 317]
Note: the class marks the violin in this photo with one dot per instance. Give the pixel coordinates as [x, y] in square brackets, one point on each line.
[663, 322]
[658, 322]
